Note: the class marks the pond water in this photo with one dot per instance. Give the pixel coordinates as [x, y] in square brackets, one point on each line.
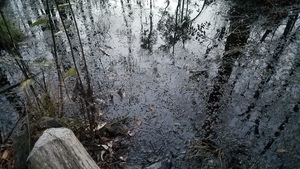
[219, 82]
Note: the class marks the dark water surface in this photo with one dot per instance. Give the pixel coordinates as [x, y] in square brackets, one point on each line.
[222, 81]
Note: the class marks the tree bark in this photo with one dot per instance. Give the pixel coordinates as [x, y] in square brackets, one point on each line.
[59, 148]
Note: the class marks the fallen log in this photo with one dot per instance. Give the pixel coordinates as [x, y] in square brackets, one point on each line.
[59, 148]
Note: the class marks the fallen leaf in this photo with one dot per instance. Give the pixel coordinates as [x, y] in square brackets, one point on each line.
[123, 158]
[105, 146]
[99, 101]
[26, 83]
[41, 21]
[130, 133]
[281, 150]
[58, 33]
[69, 73]
[152, 107]
[288, 58]
[5, 154]
[101, 125]
[42, 63]
[60, 6]
[121, 93]
[100, 113]
[138, 121]
[110, 144]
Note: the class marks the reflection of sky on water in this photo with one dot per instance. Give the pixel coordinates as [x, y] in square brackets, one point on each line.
[8, 116]
[164, 79]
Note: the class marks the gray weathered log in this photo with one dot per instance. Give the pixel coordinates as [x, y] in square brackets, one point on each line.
[60, 149]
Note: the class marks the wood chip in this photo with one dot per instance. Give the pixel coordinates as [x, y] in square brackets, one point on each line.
[138, 121]
[281, 150]
[5, 154]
